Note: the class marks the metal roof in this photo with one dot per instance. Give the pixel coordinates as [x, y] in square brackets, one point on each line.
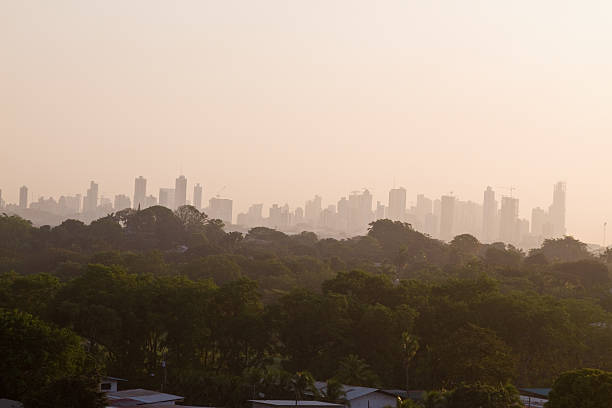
[301, 403]
[142, 396]
[351, 391]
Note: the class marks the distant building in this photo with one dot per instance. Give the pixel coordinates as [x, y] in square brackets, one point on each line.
[1, 200]
[312, 211]
[69, 205]
[122, 202]
[220, 208]
[539, 218]
[380, 212]
[397, 204]
[359, 211]
[105, 206]
[447, 216]
[166, 197]
[23, 197]
[556, 211]
[150, 201]
[424, 207]
[197, 196]
[489, 217]
[90, 201]
[140, 192]
[508, 220]
[180, 192]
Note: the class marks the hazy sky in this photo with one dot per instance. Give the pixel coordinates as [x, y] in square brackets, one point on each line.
[281, 100]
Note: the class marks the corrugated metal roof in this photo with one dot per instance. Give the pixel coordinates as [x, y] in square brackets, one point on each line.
[300, 403]
[143, 396]
[351, 391]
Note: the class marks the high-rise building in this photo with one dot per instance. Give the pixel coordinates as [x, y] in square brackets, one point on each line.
[105, 206]
[539, 218]
[312, 211]
[447, 216]
[166, 197]
[359, 211]
[298, 216]
[220, 208]
[90, 201]
[122, 202]
[508, 220]
[397, 204]
[69, 205]
[489, 217]
[556, 211]
[140, 192]
[150, 201]
[197, 196]
[274, 218]
[380, 212]
[23, 197]
[180, 192]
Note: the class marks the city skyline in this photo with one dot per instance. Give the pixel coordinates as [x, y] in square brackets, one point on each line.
[280, 102]
[495, 218]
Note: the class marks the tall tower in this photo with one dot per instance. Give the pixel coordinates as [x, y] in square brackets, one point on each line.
[557, 210]
[489, 216]
[180, 192]
[140, 192]
[23, 197]
[397, 204]
[508, 220]
[90, 202]
[197, 196]
[447, 216]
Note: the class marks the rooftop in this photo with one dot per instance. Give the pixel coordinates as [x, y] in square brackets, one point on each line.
[283, 403]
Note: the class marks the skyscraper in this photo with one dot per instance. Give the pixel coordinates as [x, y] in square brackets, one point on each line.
[180, 192]
[121, 202]
[197, 196]
[166, 197]
[220, 208]
[539, 218]
[1, 200]
[140, 192]
[508, 220]
[90, 201]
[447, 215]
[556, 211]
[397, 204]
[312, 210]
[489, 216]
[23, 197]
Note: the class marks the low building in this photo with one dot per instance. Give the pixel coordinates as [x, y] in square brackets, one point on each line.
[364, 397]
[292, 404]
[109, 384]
[139, 396]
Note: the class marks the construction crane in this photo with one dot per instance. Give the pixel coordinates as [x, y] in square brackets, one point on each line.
[218, 194]
[511, 189]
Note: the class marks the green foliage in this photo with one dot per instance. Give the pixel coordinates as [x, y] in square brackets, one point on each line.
[586, 387]
[483, 396]
[233, 316]
[35, 354]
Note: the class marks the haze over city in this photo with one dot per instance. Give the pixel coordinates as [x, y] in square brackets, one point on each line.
[280, 101]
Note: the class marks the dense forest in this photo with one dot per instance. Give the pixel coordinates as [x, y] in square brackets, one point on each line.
[170, 300]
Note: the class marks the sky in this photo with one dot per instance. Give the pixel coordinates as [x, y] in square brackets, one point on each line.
[281, 100]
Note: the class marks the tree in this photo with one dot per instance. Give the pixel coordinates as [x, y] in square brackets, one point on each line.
[354, 370]
[484, 396]
[566, 249]
[35, 355]
[79, 391]
[581, 388]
